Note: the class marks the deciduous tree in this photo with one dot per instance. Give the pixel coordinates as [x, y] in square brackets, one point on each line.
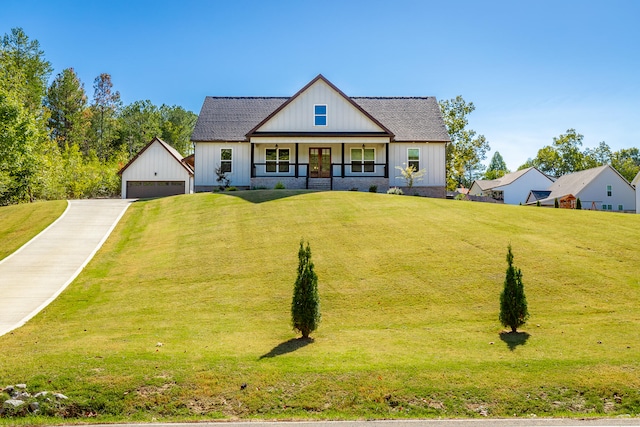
[627, 162]
[410, 174]
[20, 140]
[177, 126]
[139, 123]
[467, 150]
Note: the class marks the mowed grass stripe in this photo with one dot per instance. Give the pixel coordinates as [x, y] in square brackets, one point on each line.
[409, 292]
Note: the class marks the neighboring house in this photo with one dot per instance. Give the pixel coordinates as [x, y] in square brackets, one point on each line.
[536, 195]
[320, 138]
[636, 183]
[158, 170]
[512, 188]
[601, 188]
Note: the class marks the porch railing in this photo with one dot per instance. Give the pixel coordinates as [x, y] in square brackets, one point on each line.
[301, 170]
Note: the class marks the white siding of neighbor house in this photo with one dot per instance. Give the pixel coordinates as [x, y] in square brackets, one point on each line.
[156, 164]
[518, 191]
[475, 189]
[298, 116]
[636, 184]
[207, 159]
[596, 191]
[432, 158]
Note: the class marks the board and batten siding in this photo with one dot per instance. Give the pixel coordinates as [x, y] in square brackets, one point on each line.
[156, 164]
[207, 159]
[432, 158]
[298, 116]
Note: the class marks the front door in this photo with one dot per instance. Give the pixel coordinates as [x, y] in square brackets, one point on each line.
[319, 162]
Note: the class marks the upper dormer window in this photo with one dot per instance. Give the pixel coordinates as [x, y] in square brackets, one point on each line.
[319, 115]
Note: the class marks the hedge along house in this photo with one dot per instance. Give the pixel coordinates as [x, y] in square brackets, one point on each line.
[320, 139]
[158, 170]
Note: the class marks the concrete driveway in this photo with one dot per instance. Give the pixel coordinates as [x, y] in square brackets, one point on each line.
[39, 271]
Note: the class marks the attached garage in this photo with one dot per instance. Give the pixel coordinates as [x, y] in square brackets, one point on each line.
[158, 170]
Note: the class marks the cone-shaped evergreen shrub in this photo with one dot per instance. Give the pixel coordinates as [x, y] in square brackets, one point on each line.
[305, 306]
[513, 302]
[578, 203]
[556, 204]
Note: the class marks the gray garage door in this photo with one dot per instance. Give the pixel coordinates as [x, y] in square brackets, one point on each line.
[148, 189]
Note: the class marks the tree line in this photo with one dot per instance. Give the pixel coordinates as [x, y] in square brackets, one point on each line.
[56, 142]
[565, 155]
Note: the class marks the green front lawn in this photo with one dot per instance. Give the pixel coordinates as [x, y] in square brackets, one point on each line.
[20, 223]
[189, 299]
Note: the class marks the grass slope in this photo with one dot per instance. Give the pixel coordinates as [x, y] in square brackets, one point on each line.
[20, 223]
[409, 292]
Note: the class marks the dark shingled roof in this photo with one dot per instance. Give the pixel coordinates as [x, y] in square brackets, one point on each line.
[230, 119]
[410, 119]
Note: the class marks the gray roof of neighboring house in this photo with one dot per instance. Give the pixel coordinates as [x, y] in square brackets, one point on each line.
[574, 183]
[230, 119]
[484, 184]
[504, 180]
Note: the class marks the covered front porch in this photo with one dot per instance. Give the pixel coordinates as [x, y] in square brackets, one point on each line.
[324, 165]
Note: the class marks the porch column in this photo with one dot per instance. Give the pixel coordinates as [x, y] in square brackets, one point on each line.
[297, 166]
[253, 166]
[342, 167]
[386, 160]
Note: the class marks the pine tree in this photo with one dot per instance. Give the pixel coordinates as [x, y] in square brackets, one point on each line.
[513, 302]
[305, 306]
[578, 204]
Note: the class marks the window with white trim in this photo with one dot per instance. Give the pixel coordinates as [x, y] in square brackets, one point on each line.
[277, 160]
[606, 207]
[413, 158]
[320, 115]
[620, 207]
[226, 160]
[609, 190]
[363, 160]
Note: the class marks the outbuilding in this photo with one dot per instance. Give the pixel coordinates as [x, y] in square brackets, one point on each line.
[158, 170]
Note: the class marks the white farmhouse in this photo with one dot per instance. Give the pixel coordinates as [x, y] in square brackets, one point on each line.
[320, 138]
[512, 188]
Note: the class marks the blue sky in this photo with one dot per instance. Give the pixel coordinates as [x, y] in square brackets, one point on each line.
[533, 69]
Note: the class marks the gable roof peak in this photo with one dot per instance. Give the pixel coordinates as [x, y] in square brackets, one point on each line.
[322, 78]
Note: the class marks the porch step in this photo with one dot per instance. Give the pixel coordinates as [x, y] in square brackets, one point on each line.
[323, 184]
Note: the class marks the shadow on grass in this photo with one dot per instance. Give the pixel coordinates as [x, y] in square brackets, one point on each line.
[287, 347]
[514, 339]
[261, 196]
